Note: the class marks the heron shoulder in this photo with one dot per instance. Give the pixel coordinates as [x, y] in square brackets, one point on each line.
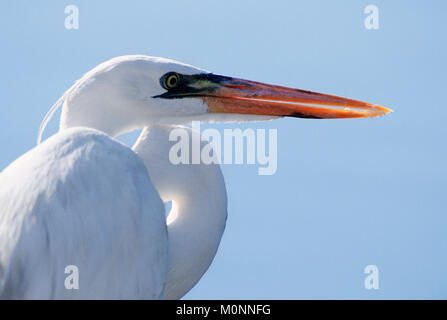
[81, 198]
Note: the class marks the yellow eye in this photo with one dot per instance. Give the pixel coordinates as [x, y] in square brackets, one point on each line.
[171, 81]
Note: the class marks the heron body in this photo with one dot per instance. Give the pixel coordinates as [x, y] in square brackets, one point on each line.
[83, 198]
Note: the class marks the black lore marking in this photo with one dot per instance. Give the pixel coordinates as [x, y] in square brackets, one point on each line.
[185, 85]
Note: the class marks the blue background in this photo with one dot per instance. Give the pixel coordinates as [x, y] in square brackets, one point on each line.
[347, 193]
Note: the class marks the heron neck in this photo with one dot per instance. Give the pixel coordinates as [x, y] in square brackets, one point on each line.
[194, 236]
[199, 208]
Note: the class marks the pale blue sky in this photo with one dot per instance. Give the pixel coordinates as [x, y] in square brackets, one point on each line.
[347, 193]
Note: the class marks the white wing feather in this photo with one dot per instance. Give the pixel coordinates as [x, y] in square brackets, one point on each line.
[83, 199]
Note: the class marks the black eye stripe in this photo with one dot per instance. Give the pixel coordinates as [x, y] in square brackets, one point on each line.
[179, 85]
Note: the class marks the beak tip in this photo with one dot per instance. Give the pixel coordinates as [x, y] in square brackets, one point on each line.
[381, 111]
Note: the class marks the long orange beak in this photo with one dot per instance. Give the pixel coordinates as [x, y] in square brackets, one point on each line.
[231, 95]
[250, 97]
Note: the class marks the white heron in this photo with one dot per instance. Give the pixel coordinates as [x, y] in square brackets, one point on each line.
[82, 198]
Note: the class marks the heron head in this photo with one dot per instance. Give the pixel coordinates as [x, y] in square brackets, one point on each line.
[131, 92]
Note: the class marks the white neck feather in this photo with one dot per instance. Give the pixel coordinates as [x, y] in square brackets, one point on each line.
[199, 208]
